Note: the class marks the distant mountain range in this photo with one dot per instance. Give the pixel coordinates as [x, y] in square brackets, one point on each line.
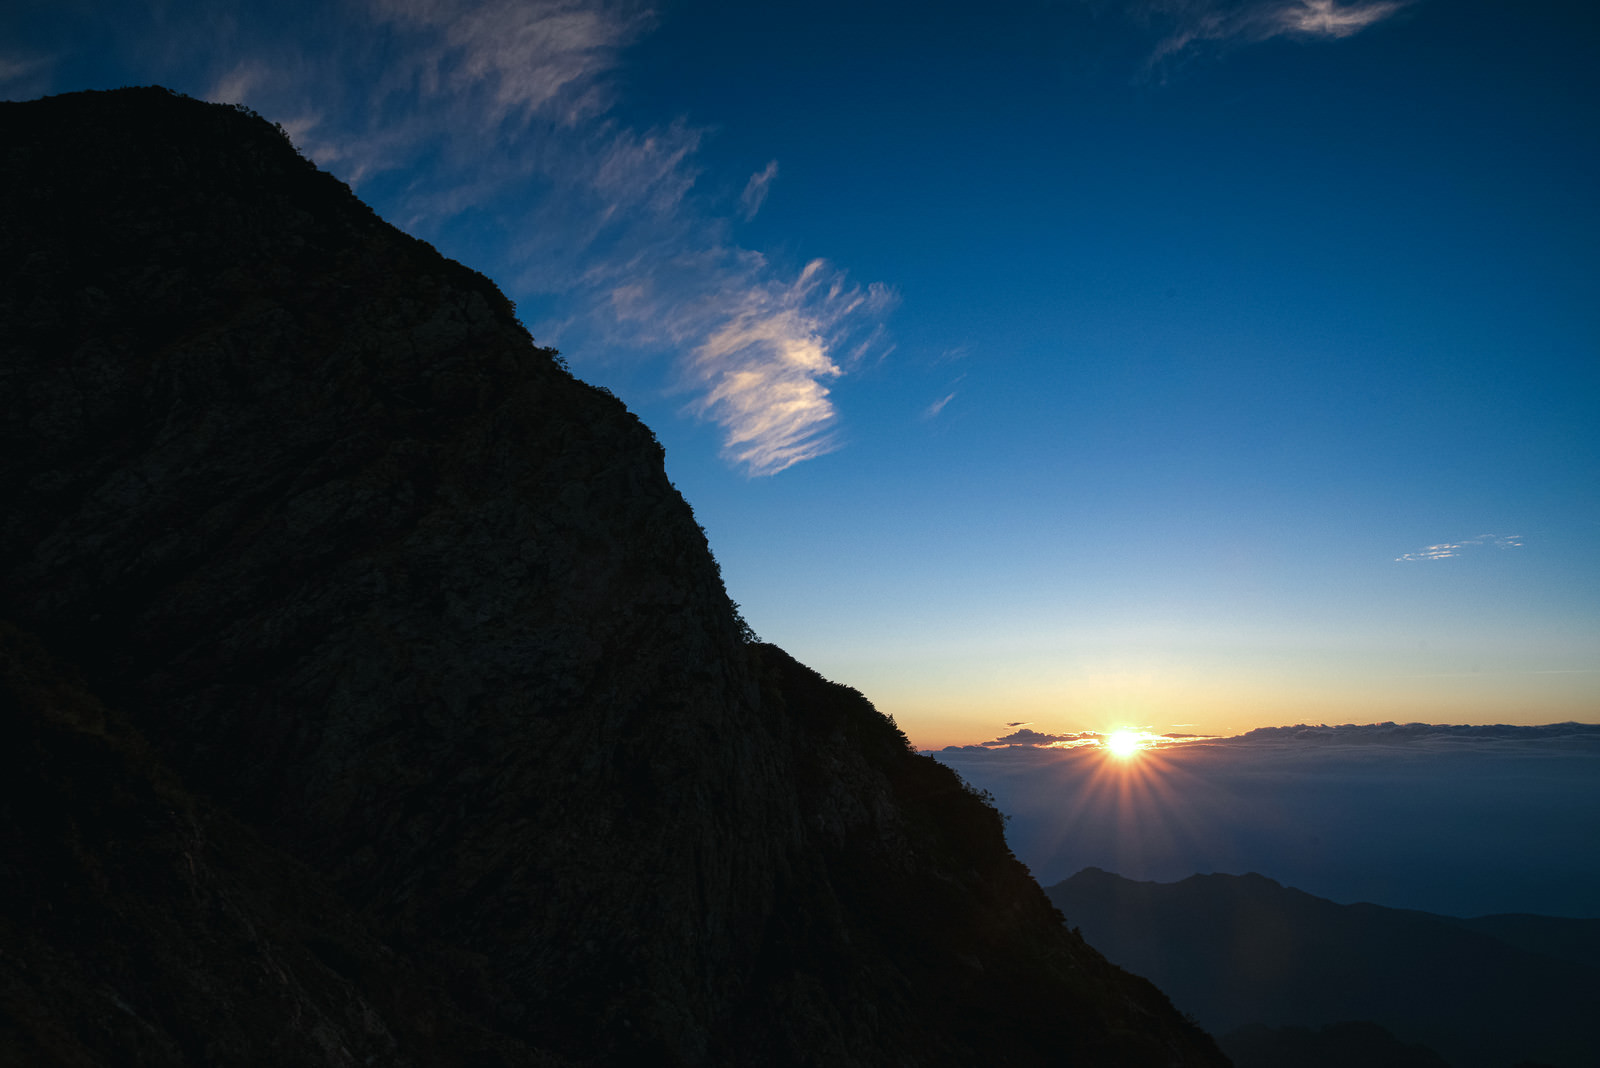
[1260, 965]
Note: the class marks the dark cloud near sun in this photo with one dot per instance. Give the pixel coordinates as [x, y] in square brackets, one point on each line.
[1028, 736]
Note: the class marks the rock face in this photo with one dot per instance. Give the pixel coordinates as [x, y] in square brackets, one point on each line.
[370, 692]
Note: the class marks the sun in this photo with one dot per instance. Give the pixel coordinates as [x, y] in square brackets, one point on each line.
[1123, 744]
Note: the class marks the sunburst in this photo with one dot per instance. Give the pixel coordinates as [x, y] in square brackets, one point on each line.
[1124, 744]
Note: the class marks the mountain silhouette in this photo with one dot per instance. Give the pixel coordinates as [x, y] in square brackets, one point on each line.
[1242, 951]
[1338, 1045]
[371, 696]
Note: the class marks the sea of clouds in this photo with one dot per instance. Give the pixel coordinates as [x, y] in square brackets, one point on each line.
[1460, 820]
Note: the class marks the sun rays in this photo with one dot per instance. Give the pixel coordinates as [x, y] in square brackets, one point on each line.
[1128, 796]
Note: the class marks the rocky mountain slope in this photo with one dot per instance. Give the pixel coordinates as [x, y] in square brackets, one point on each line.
[1243, 952]
[370, 695]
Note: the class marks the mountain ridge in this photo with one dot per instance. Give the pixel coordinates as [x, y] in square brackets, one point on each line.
[1245, 951]
[364, 579]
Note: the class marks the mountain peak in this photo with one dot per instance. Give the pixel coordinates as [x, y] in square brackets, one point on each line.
[408, 623]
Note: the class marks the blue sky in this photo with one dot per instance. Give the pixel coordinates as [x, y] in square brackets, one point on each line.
[1183, 364]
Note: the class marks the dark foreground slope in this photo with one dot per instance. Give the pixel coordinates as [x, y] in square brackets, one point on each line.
[1242, 951]
[372, 694]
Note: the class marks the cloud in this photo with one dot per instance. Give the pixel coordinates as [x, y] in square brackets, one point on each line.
[494, 129]
[1448, 549]
[1199, 21]
[1027, 736]
[1423, 735]
[637, 261]
[23, 76]
[764, 367]
[937, 406]
[755, 191]
[652, 171]
[1456, 819]
[498, 131]
[525, 57]
[1325, 18]
[764, 370]
[239, 84]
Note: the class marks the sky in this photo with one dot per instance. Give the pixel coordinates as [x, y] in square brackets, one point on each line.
[1179, 365]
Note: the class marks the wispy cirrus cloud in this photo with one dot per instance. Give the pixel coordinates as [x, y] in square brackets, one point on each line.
[1326, 18]
[497, 130]
[765, 366]
[1447, 549]
[637, 261]
[932, 410]
[23, 75]
[755, 191]
[761, 350]
[1195, 22]
[526, 57]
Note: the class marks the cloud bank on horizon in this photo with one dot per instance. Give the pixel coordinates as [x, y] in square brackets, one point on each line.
[1389, 733]
[1454, 819]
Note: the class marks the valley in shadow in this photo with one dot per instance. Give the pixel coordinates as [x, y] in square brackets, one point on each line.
[1285, 977]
